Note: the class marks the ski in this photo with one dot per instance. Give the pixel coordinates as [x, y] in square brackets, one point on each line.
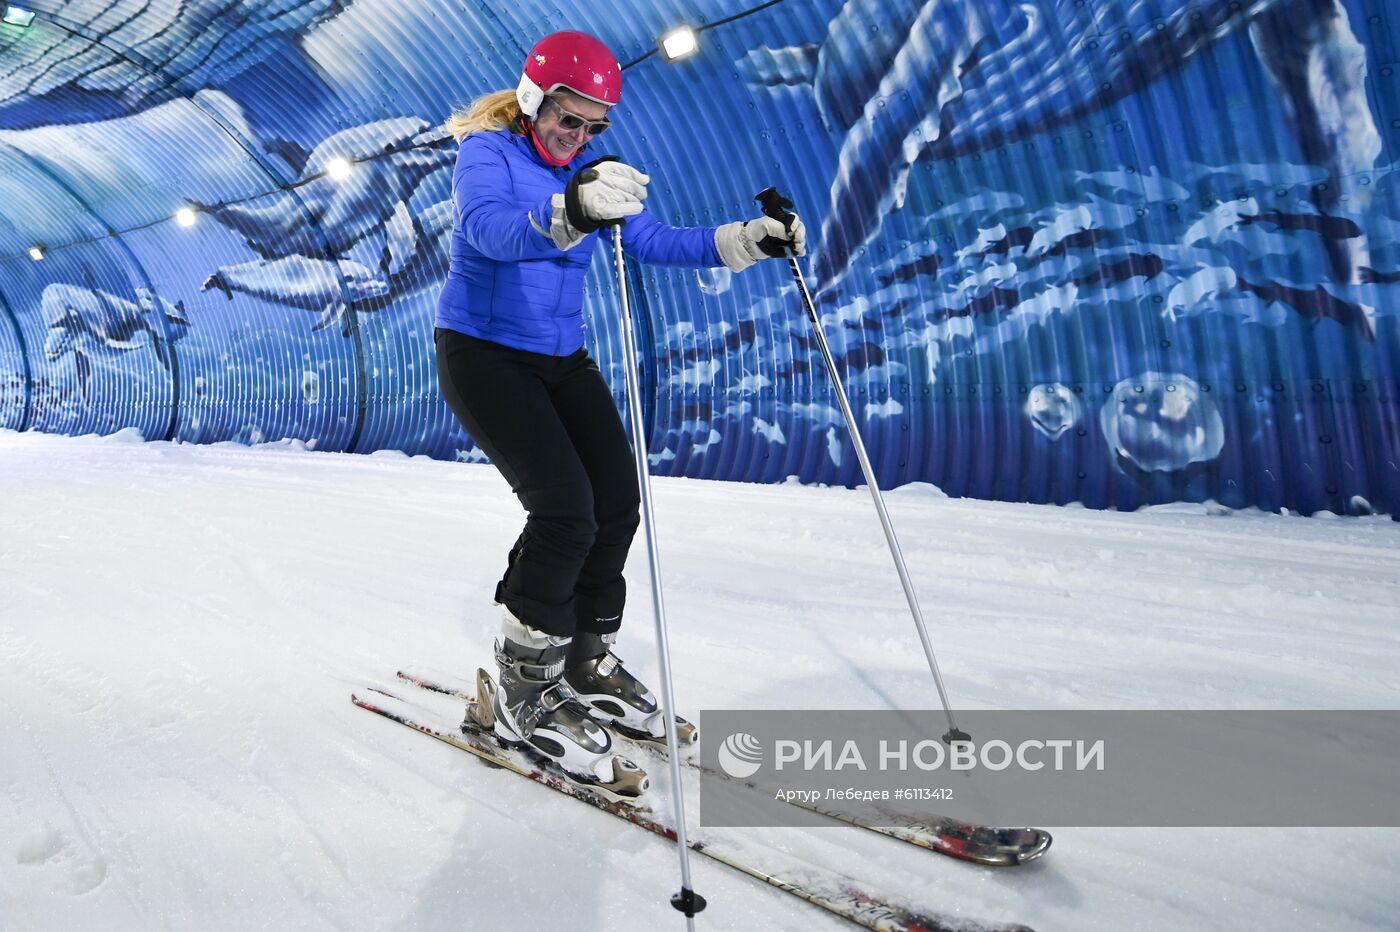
[991, 846]
[832, 892]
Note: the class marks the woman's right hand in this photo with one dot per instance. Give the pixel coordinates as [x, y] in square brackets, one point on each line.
[602, 191]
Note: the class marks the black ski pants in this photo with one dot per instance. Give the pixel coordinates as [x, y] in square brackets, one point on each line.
[549, 424]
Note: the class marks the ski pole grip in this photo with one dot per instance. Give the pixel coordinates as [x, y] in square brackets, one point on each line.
[574, 208]
[776, 206]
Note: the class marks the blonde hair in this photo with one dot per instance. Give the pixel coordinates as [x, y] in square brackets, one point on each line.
[488, 113]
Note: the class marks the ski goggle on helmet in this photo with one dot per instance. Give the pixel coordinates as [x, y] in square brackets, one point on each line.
[572, 61]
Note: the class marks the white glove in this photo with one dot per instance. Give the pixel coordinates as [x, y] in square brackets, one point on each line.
[610, 191]
[603, 191]
[741, 244]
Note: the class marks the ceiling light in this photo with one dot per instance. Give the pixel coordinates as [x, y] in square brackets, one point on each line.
[186, 216]
[338, 169]
[17, 16]
[679, 43]
[36, 253]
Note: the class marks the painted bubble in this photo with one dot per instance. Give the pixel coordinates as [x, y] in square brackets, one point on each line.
[714, 281]
[1053, 409]
[311, 387]
[1162, 422]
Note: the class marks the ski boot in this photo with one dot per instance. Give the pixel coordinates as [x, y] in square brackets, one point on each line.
[533, 708]
[614, 695]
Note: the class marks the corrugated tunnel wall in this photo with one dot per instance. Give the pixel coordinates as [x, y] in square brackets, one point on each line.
[1088, 250]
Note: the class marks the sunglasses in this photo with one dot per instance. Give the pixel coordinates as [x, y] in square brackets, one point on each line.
[572, 121]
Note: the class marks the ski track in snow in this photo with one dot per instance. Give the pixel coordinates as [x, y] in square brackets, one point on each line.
[182, 626]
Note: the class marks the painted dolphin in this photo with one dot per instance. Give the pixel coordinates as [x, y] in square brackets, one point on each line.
[1134, 265]
[1324, 226]
[346, 211]
[79, 67]
[1369, 276]
[309, 284]
[416, 255]
[89, 322]
[1312, 303]
[942, 78]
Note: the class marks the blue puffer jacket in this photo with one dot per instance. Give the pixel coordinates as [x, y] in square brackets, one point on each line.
[508, 282]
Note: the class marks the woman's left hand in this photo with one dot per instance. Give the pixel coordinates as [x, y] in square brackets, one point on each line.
[741, 244]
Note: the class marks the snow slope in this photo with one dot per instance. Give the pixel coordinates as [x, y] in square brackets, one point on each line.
[181, 626]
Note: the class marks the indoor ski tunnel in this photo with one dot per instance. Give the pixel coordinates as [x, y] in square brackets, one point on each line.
[1114, 252]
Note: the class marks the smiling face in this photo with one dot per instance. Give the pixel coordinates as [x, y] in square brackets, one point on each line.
[559, 142]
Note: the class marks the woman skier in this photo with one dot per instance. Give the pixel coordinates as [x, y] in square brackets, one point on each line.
[512, 366]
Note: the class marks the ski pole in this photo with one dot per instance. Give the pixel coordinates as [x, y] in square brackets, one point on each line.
[687, 900]
[779, 208]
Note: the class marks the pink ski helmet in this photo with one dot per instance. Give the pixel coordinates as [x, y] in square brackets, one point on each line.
[572, 60]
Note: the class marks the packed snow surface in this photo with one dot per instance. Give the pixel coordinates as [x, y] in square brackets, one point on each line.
[181, 627]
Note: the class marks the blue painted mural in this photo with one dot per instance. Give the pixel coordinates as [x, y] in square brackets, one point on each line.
[1104, 251]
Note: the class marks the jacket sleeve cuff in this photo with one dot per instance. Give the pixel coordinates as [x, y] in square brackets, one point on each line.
[559, 231]
[735, 248]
